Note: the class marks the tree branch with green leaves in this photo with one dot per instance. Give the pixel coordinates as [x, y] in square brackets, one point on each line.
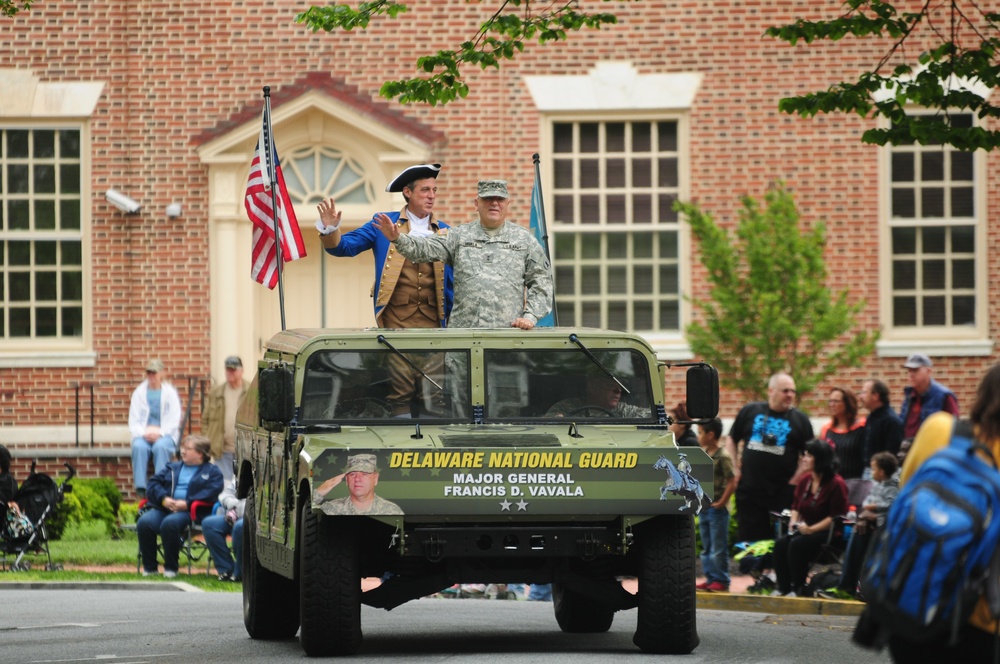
[962, 56]
[11, 8]
[501, 37]
[769, 308]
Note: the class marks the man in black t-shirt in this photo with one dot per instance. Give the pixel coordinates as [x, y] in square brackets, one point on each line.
[766, 439]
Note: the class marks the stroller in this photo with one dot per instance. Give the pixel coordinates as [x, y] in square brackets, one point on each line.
[37, 498]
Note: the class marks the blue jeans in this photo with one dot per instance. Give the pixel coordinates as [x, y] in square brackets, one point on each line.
[170, 526]
[540, 592]
[215, 530]
[162, 451]
[713, 524]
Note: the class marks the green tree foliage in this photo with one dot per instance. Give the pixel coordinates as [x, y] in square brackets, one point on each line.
[964, 41]
[960, 40]
[769, 309]
[12, 7]
[501, 37]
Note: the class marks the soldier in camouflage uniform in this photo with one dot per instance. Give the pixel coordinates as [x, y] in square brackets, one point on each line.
[494, 261]
[603, 398]
[361, 474]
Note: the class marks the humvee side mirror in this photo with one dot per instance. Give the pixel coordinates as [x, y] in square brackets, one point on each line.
[702, 392]
[276, 395]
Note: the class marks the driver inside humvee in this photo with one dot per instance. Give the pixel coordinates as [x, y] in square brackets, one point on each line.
[602, 398]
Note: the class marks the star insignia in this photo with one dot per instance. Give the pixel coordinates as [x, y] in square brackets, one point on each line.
[522, 506]
[505, 505]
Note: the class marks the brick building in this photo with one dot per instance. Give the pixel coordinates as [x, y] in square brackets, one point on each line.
[161, 101]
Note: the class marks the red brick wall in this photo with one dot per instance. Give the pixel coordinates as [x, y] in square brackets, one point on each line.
[176, 70]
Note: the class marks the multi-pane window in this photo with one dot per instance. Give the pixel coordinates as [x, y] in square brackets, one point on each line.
[616, 257]
[933, 235]
[314, 174]
[41, 243]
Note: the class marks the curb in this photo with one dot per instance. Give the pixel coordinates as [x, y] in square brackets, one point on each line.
[100, 585]
[778, 605]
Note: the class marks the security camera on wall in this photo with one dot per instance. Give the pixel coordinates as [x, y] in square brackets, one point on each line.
[121, 201]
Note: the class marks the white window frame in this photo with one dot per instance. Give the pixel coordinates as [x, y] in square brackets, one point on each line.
[35, 351]
[669, 344]
[970, 340]
[322, 188]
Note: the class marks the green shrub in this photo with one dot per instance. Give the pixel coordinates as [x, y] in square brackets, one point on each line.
[128, 513]
[90, 500]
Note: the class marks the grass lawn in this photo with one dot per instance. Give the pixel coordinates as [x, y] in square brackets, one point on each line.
[89, 546]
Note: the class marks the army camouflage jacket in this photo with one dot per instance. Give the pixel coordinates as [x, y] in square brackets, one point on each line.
[491, 273]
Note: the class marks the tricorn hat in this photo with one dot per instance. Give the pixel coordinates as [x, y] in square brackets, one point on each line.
[411, 174]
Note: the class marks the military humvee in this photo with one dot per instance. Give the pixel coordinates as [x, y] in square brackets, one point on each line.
[428, 458]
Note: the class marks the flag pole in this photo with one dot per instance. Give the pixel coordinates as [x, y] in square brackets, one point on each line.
[269, 151]
[544, 228]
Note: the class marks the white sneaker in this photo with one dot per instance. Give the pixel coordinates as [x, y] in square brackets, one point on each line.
[791, 594]
[169, 574]
[146, 572]
[777, 593]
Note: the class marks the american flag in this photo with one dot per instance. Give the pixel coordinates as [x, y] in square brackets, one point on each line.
[264, 267]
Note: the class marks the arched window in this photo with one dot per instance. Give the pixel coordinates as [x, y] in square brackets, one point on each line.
[314, 174]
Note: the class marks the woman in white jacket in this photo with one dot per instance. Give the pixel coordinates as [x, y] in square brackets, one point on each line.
[154, 421]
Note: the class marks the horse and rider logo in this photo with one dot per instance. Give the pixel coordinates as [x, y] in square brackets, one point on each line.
[680, 483]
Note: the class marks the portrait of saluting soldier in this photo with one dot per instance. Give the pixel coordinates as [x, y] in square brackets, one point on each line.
[361, 476]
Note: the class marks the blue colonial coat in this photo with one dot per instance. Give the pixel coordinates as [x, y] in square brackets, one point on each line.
[389, 263]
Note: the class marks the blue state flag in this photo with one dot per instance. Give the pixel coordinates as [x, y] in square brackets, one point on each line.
[537, 225]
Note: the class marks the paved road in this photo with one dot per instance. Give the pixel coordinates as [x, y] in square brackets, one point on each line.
[166, 627]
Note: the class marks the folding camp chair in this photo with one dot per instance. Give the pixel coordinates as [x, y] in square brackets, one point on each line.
[193, 547]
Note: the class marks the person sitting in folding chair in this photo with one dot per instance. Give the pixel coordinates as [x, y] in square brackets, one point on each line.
[171, 492]
[820, 497]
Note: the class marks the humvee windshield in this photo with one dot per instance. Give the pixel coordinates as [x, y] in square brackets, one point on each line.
[546, 384]
[379, 385]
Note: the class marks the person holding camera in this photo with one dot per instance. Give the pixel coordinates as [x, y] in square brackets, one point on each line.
[218, 526]
[766, 440]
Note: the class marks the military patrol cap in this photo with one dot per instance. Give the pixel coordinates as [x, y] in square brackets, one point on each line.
[364, 463]
[154, 365]
[412, 174]
[233, 362]
[493, 189]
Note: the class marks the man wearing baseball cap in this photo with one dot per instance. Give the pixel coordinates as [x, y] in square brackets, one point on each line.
[154, 422]
[924, 396]
[219, 422]
[502, 276]
[361, 475]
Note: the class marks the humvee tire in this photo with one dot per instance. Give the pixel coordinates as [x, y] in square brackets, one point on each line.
[270, 601]
[666, 622]
[578, 615]
[329, 569]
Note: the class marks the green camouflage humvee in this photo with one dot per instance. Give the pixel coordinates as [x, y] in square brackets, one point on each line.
[428, 458]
